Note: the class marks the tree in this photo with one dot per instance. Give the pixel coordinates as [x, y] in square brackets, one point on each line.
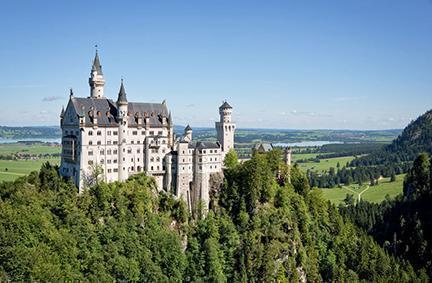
[93, 176]
[231, 159]
[393, 177]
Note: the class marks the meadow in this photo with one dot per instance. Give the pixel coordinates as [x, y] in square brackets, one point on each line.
[12, 169]
[374, 194]
[323, 165]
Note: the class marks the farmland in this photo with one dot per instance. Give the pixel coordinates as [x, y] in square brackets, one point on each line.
[36, 155]
[370, 193]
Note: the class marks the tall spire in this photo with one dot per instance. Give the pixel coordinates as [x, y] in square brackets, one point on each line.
[96, 80]
[122, 95]
[97, 67]
[170, 118]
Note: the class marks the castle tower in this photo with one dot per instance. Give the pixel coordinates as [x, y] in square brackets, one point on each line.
[96, 80]
[225, 128]
[287, 156]
[187, 134]
[122, 105]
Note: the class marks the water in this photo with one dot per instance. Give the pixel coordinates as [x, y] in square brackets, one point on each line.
[306, 143]
[49, 140]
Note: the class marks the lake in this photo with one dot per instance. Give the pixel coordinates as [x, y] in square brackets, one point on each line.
[306, 143]
[50, 140]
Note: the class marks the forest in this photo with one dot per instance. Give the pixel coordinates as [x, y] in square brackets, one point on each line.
[260, 228]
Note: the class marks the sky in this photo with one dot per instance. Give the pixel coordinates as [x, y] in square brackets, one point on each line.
[318, 64]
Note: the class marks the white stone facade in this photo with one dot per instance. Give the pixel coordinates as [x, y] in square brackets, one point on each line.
[125, 138]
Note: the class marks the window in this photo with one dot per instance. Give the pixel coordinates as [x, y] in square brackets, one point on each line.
[131, 159]
[109, 170]
[152, 168]
[152, 133]
[99, 142]
[160, 133]
[115, 133]
[90, 133]
[115, 170]
[90, 153]
[115, 161]
[108, 142]
[90, 142]
[143, 133]
[134, 133]
[138, 142]
[109, 152]
[115, 142]
[138, 150]
[115, 151]
[152, 159]
[129, 150]
[99, 133]
[109, 161]
[102, 161]
[108, 133]
[132, 142]
[102, 152]
[90, 162]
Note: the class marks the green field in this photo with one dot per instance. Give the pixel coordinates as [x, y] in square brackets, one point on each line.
[302, 156]
[370, 193]
[12, 169]
[30, 149]
[325, 164]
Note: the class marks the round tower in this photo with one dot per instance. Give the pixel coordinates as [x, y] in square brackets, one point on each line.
[122, 106]
[96, 80]
[188, 133]
[225, 128]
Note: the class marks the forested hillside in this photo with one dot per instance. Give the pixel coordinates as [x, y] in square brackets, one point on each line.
[415, 139]
[259, 229]
[388, 161]
[404, 225]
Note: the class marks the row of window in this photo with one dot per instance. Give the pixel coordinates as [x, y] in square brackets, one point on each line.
[115, 133]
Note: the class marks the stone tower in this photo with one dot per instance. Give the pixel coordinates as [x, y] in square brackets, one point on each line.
[188, 133]
[122, 104]
[96, 80]
[287, 156]
[225, 128]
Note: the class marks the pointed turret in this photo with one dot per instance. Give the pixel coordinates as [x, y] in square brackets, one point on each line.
[122, 95]
[62, 113]
[187, 134]
[169, 119]
[96, 80]
[97, 67]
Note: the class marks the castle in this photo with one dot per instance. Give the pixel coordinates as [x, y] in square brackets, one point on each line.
[122, 138]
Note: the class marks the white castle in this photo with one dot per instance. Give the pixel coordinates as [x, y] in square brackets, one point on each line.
[125, 138]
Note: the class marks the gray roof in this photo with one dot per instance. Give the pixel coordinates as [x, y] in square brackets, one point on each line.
[96, 65]
[122, 94]
[263, 147]
[106, 111]
[204, 145]
[188, 128]
[225, 105]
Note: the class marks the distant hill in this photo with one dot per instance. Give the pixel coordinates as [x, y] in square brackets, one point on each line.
[414, 139]
[243, 135]
[29, 132]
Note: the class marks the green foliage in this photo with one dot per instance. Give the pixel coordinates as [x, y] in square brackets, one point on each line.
[260, 231]
[403, 225]
[231, 159]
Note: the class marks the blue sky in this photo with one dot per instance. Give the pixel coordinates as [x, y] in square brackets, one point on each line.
[339, 64]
